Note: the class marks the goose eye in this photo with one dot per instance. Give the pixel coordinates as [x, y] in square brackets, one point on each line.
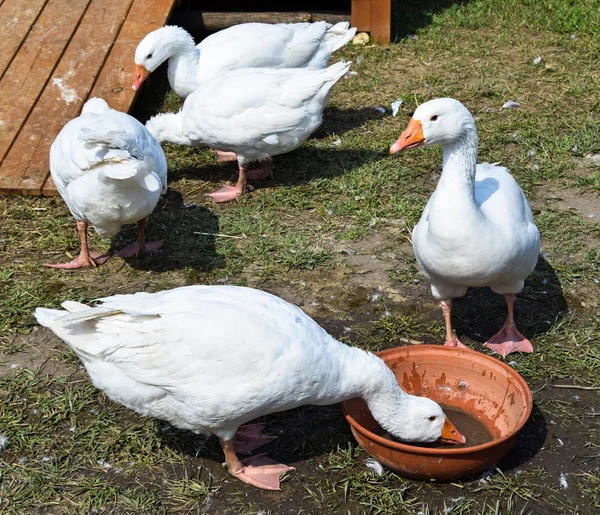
[149, 56]
[433, 119]
[432, 418]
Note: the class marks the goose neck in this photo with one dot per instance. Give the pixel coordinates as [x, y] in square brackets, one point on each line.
[460, 162]
[184, 55]
[167, 127]
[376, 384]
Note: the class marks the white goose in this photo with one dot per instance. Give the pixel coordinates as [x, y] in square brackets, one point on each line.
[477, 228]
[249, 45]
[210, 358]
[110, 171]
[255, 112]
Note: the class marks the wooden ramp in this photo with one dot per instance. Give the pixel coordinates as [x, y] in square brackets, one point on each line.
[54, 55]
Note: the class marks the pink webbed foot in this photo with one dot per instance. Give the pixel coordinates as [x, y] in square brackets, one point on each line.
[509, 340]
[225, 194]
[262, 472]
[225, 157]
[134, 249]
[250, 437]
[81, 261]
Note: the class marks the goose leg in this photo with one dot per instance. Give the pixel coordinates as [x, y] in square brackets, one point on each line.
[225, 157]
[509, 339]
[250, 437]
[451, 338]
[134, 249]
[227, 193]
[264, 172]
[257, 471]
[86, 259]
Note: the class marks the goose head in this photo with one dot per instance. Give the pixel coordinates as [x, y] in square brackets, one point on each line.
[442, 121]
[420, 420]
[95, 105]
[156, 48]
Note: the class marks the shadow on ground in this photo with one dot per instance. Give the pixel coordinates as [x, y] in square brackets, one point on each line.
[338, 121]
[152, 94]
[303, 433]
[177, 226]
[408, 16]
[530, 441]
[298, 167]
[538, 308]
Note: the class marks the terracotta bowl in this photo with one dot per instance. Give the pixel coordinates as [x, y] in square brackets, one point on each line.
[481, 385]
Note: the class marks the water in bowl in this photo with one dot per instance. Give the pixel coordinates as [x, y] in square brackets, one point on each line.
[473, 430]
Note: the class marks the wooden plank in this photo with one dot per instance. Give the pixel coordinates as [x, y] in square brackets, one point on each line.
[25, 168]
[16, 17]
[361, 15]
[49, 188]
[380, 21]
[114, 81]
[31, 68]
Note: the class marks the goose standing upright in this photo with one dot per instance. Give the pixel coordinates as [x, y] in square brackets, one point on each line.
[177, 356]
[477, 228]
[248, 45]
[255, 112]
[110, 171]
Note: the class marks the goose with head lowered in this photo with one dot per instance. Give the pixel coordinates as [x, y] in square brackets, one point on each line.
[211, 358]
[110, 172]
[248, 45]
[477, 228]
[255, 112]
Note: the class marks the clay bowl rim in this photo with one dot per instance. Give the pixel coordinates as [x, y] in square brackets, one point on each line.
[436, 451]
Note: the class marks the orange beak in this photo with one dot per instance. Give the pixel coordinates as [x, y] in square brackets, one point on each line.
[450, 434]
[139, 76]
[411, 137]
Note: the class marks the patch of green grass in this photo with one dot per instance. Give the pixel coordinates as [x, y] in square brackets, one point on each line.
[558, 16]
[589, 484]
[99, 459]
[19, 296]
[592, 181]
[340, 190]
[394, 329]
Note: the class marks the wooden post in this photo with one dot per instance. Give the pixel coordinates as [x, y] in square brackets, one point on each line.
[381, 11]
[373, 16]
[361, 15]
